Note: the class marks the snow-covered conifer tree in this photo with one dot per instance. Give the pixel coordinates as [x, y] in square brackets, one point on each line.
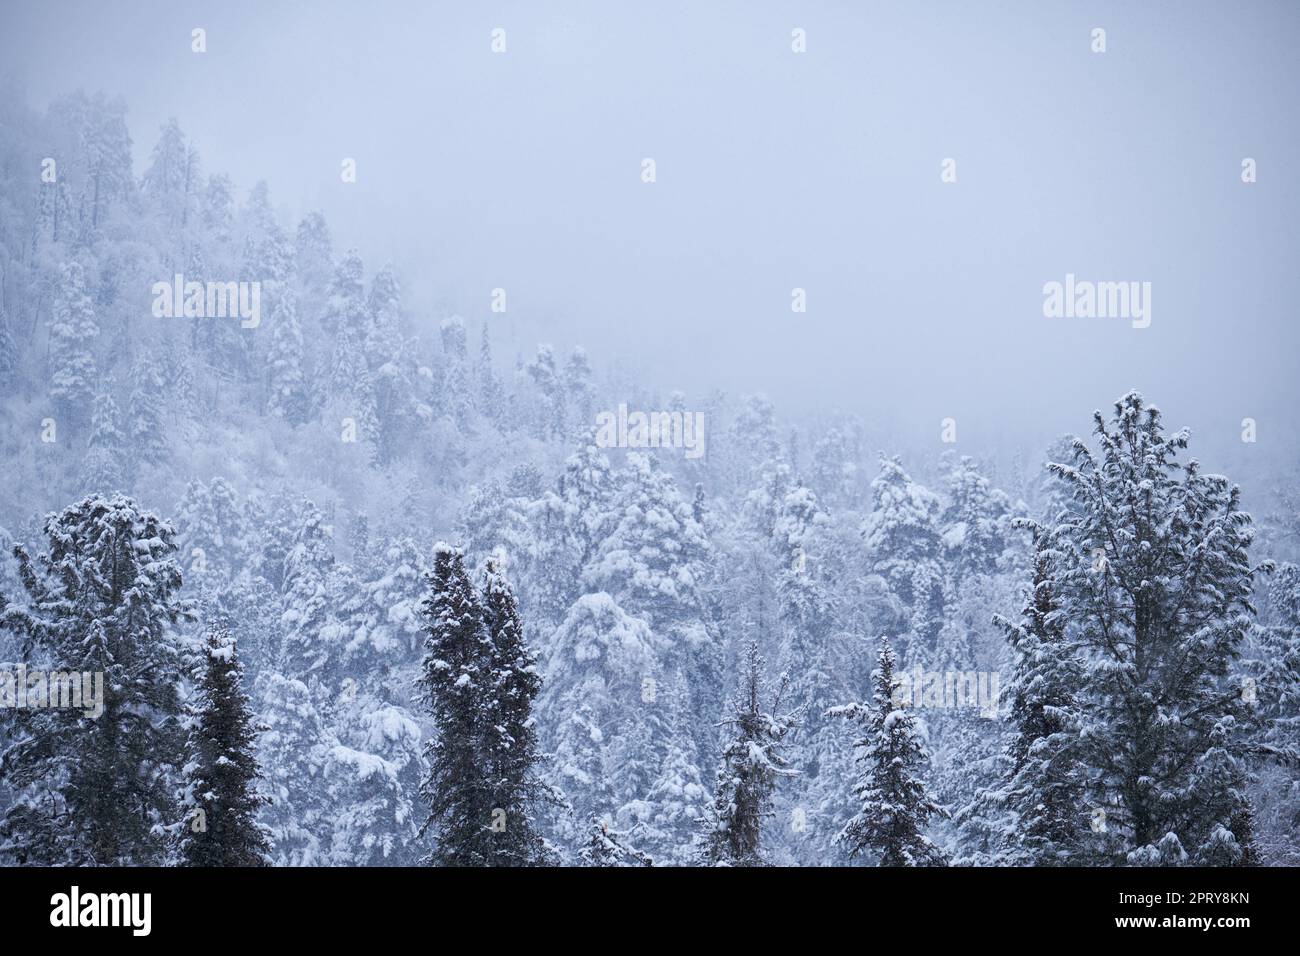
[102, 471]
[510, 736]
[309, 609]
[73, 331]
[287, 393]
[96, 785]
[902, 539]
[752, 763]
[591, 710]
[894, 804]
[221, 790]
[676, 800]
[607, 847]
[1046, 788]
[145, 421]
[453, 688]
[654, 563]
[296, 753]
[1152, 573]
[975, 521]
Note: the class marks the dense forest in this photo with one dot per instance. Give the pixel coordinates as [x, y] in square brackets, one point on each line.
[364, 592]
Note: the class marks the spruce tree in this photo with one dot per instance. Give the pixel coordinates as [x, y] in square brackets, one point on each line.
[607, 847]
[73, 330]
[297, 753]
[313, 249]
[102, 471]
[894, 804]
[1045, 789]
[655, 561]
[347, 318]
[287, 396]
[383, 337]
[975, 521]
[671, 803]
[453, 688]
[591, 710]
[512, 685]
[213, 531]
[221, 798]
[145, 424]
[902, 539]
[376, 786]
[491, 400]
[805, 607]
[752, 762]
[309, 651]
[545, 373]
[570, 521]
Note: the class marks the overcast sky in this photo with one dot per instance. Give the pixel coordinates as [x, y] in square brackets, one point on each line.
[774, 170]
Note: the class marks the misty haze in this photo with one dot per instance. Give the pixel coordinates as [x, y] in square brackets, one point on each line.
[705, 434]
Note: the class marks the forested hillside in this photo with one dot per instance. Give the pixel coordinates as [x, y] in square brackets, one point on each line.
[364, 591]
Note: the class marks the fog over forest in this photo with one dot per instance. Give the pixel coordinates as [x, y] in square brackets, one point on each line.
[575, 434]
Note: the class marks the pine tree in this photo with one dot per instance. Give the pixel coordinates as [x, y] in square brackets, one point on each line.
[296, 751]
[578, 386]
[676, 801]
[975, 521]
[570, 521]
[607, 847]
[902, 538]
[73, 331]
[1153, 575]
[221, 776]
[378, 778]
[893, 800]
[287, 395]
[752, 762]
[491, 401]
[313, 246]
[805, 604]
[146, 427]
[384, 336]
[102, 469]
[592, 708]
[545, 373]
[98, 788]
[1045, 790]
[309, 652]
[456, 399]
[172, 177]
[213, 532]
[453, 686]
[655, 562]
